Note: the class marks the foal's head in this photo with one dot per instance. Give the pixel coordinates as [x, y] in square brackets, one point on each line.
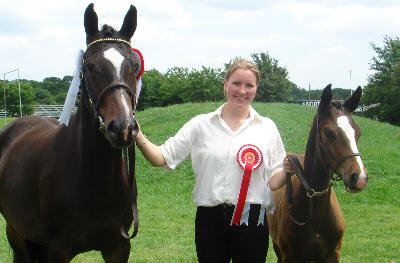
[110, 70]
[337, 138]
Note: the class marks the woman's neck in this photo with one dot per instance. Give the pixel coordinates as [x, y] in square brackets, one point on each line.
[234, 116]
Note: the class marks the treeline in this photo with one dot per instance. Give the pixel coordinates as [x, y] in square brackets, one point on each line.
[181, 85]
[383, 87]
[177, 85]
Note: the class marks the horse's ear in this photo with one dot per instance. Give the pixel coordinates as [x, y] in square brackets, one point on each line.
[91, 23]
[130, 23]
[352, 103]
[326, 98]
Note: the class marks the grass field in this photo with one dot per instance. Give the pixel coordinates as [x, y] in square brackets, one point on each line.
[166, 211]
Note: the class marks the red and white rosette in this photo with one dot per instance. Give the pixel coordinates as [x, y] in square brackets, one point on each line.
[139, 71]
[250, 158]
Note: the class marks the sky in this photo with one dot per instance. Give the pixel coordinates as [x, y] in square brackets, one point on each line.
[318, 42]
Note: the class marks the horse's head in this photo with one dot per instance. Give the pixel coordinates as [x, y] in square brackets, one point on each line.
[109, 71]
[337, 136]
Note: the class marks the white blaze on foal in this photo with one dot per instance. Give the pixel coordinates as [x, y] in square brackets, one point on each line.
[344, 124]
[116, 59]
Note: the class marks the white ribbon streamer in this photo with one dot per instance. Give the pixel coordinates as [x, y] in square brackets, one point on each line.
[72, 91]
[138, 87]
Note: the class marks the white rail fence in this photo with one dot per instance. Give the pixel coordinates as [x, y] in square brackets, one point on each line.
[53, 111]
[315, 103]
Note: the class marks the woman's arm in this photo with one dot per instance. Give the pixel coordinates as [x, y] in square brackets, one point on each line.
[279, 178]
[149, 150]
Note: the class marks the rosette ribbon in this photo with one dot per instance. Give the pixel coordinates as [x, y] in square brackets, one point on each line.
[249, 158]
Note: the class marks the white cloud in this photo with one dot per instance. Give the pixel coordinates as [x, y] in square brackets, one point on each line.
[317, 41]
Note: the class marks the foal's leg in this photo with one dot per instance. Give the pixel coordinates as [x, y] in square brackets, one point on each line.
[277, 252]
[118, 253]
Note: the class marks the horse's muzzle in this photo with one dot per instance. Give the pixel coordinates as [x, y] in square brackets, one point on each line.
[121, 133]
[357, 182]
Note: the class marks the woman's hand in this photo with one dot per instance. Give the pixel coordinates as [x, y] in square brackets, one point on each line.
[287, 165]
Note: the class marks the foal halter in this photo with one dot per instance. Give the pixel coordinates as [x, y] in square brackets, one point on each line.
[310, 192]
[325, 149]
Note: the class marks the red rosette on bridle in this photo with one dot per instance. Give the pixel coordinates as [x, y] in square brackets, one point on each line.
[250, 158]
[139, 56]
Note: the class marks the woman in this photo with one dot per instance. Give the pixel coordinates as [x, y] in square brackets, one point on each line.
[237, 160]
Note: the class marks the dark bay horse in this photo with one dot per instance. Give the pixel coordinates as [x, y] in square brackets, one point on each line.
[308, 225]
[65, 190]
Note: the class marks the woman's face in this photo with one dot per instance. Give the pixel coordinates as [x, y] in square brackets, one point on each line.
[241, 87]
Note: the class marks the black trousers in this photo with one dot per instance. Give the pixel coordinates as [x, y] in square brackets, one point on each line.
[217, 241]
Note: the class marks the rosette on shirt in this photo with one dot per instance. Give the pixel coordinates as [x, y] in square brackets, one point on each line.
[249, 158]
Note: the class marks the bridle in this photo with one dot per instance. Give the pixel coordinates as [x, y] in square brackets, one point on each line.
[128, 153]
[310, 192]
[94, 104]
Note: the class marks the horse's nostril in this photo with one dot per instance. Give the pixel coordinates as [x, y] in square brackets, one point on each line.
[354, 180]
[112, 129]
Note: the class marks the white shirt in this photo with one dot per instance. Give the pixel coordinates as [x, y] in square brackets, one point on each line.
[213, 146]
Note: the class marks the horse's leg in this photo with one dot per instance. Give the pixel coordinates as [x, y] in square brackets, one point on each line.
[333, 256]
[292, 259]
[118, 253]
[59, 254]
[23, 252]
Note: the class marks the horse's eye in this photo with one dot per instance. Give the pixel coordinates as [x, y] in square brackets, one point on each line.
[90, 67]
[329, 134]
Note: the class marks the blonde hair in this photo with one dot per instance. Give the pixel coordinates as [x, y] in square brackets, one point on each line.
[241, 63]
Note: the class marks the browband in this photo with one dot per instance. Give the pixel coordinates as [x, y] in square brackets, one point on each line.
[108, 40]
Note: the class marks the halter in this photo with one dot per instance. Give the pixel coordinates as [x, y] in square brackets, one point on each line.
[93, 103]
[128, 154]
[331, 155]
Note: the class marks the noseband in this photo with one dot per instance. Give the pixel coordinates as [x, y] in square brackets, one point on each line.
[95, 103]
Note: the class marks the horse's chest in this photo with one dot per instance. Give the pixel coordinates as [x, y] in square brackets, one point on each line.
[314, 243]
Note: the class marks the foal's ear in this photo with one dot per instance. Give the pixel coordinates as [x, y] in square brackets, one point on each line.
[352, 103]
[130, 23]
[326, 98]
[91, 22]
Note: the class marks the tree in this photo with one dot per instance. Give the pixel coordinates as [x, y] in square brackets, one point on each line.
[384, 85]
[13, 98]
[204, 85]
[149, 95]
[274, 84]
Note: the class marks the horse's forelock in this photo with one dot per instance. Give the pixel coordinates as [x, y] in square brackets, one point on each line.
[108, 31]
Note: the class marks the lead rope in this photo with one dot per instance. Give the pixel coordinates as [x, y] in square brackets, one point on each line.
[129, 158]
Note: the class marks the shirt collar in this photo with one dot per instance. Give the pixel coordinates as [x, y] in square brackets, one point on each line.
[253, 113]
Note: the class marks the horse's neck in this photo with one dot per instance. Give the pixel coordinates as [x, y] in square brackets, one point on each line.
[315, 171]
[93, 148]
[318, 179]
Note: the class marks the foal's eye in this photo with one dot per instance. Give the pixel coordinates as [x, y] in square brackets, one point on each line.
[329, 134]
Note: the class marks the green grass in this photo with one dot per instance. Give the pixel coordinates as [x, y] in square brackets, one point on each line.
[166, 210]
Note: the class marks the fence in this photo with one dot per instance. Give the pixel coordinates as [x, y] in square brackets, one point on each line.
[315, 103]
